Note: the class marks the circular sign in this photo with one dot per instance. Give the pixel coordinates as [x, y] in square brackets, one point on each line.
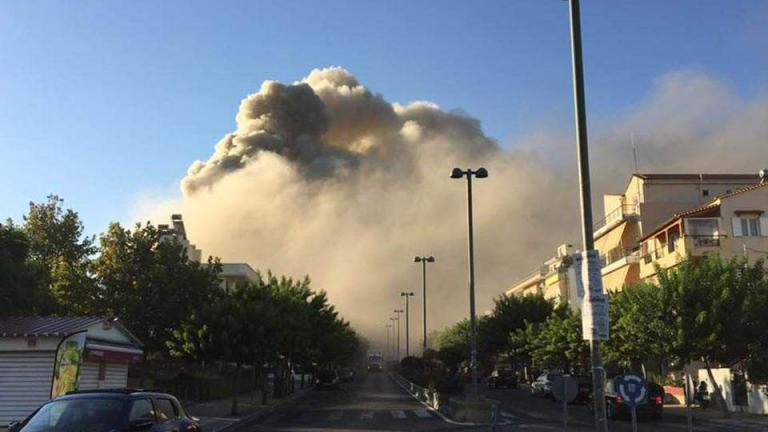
[632, 388]
[564, 388]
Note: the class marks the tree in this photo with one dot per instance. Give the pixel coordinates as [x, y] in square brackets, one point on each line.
[149, 283]
[22, 289]
[718, 311]
[642, 331]
[455, 345]
[511, 313]
[63, 254]
[559, 344]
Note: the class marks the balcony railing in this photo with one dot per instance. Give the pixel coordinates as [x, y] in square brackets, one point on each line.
[706, 240]
[616, 214]
[616, 254]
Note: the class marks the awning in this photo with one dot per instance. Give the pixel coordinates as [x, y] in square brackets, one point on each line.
[611, 239]
[96, 351]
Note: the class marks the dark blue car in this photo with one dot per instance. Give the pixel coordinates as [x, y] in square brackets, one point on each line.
[110, 411]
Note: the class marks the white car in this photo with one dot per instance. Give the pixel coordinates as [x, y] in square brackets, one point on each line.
[542, 386]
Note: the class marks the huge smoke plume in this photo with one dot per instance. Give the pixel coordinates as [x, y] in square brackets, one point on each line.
[324, 177]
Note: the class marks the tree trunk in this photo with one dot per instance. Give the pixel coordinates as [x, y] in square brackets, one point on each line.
[716, 391]
[264, 385]
[235, 388]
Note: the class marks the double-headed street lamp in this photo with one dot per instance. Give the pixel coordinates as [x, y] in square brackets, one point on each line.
[388, 351]
[458, 173]
[407, 323]
[424, 261]
[398, 312]
[394, 354]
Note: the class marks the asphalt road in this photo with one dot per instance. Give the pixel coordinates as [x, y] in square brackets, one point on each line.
[374, 402]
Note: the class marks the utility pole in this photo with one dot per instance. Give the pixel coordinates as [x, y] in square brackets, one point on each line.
[407, 324]
[424, 261]
[398, 312]
[388, 351]
[585, 195]
[394, 355]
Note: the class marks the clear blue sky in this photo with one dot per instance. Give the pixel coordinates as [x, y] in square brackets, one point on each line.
[100, 100]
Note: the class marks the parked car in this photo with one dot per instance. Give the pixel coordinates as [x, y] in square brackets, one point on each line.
[616, 408]
[542, 386]
[347, 374]
[327, 379]
[109, 410]
[502, 378]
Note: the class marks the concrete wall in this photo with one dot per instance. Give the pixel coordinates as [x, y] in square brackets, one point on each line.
[757, 394]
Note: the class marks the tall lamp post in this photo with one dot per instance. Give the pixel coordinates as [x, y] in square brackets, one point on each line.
[424, 261]
[585, 195]
[388, 351]
[407, 324]
[394, 355]
[458, 173]
[398, 312]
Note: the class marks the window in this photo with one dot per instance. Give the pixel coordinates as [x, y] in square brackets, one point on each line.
[141, 410]
[705, 192]
[749, 226]
[165, 410]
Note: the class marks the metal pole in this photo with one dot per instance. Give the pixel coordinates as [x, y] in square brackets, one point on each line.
[424, 300]
[407, 329]
[598, 378]
[388, 351]
[472, 320]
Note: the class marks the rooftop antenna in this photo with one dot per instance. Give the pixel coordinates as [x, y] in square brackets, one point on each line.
[634, 150]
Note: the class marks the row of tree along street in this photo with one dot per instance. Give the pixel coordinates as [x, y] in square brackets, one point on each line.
[711, 311]
[175, 306]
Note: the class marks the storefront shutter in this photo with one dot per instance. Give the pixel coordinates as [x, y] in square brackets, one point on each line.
[25, 383]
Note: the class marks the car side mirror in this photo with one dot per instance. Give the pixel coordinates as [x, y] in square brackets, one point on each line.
[140, 425]
[14, 426]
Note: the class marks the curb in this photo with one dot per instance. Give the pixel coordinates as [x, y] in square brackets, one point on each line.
[445, 418]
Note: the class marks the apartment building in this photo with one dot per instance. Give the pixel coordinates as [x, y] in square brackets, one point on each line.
[553, 279]
[732, 224]
[647, 202]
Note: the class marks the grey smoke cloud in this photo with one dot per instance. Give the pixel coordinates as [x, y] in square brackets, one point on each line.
[324, 177]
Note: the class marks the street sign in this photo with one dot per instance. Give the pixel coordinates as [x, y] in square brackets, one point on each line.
[594, 305]
[565, 388]
[632, 388]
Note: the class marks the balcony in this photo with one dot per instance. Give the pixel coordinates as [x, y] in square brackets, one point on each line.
[617, 254]
[705, 240]
[616, 215]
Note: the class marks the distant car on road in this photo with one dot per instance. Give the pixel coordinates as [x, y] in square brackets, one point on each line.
[502, 378]
[327, 379]
[542, 386]
[109, 410]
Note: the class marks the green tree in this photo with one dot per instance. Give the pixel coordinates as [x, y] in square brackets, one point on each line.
[149, 283]
[22, 285]
[62, 253]
[558, 343]
[511, 313]
[642, 331]
[718, 310]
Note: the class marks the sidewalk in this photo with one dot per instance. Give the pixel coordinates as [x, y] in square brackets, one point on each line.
[716, 417]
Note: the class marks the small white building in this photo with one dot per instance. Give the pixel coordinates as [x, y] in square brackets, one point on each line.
[28, 347]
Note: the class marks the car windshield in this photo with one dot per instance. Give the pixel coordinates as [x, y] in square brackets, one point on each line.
[76, 415]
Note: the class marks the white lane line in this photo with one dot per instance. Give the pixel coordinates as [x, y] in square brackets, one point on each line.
[398, 414]
[366, 415]
[422, 413]
[508, 415]
[335, 416]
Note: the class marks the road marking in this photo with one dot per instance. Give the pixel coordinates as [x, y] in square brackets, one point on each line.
[366, 415]
[422, 413]
[398, 414]
[508, 415]
[335, 416]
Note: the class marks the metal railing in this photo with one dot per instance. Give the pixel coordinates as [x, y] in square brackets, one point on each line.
[616, 254]
[616, 214]
[706, 240]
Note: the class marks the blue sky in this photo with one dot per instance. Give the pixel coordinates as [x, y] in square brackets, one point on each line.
[101, 100]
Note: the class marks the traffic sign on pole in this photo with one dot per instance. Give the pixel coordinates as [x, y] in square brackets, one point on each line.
[565, 389]
[633, 390]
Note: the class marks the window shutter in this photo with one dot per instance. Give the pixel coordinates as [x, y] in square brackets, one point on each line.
[736, 222]
[764, 226]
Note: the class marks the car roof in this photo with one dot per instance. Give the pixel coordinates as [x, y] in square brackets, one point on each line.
[113, 394]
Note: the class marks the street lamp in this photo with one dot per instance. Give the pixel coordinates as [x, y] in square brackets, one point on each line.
[388, 326]
[394, 355]
[458, 173]
[407, 324]
[398, 312]
[424, 261]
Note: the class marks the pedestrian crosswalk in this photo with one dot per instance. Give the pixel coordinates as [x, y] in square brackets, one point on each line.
[352, 415]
